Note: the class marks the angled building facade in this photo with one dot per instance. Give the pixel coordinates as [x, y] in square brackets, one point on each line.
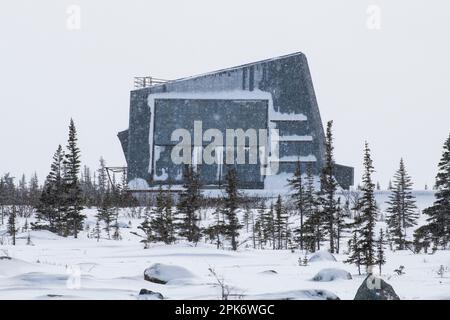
[271, 94]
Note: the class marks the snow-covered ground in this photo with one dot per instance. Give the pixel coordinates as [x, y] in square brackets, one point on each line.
[66, 268]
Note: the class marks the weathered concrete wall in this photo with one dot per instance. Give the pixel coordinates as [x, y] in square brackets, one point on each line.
[216, 114]
[289, 83]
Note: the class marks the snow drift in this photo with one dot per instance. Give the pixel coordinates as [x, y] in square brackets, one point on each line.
[332, 274]
[163, 273]
[322, 256]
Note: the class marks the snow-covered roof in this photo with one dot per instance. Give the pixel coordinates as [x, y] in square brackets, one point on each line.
[227, 69]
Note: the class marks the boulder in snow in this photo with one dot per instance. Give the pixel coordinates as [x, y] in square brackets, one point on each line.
[163, 273]
[331, 274]
[322, 256]
[374, 288]
[269, 272]
[145, 294]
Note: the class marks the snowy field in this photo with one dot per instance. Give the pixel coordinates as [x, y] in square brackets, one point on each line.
[54, 267]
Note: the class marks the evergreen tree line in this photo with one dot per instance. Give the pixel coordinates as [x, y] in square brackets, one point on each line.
[436, 233]
[322, 214]
[323, 217]
[167, 222]
[67, 190]
[25, 192]
[270, 227]
[60, 204]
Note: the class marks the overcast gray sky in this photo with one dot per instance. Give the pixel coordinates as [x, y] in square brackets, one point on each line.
[389, 86]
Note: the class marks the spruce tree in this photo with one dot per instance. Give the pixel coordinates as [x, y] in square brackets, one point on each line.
[389, 241]
[310, 198]
[97, 231]
[116, 234]
[317, 223]
[381, 258]
[369, 210]
[169, 234]
[246, 217]
[354, 244]
[147, 229]
[341, 225]
[438, 226]
[34, 190]
[12, 228]
[231, 206]
[157, 219]
[298, 196]
[162, 221]
[402, 207]
[87, 187]
[312, 227]
[260, 223]
[106, 213]
[22, 191]
[355, 252]
[253, 221]
[49, 209]
[280, 224]
[347, 211]
[102, 178]
[7, 194]
[423, 239]
[189, 205]
[328, 188]
[258, 241]
[268, 227]
[217, 229]
[126, 198]
[73, 200]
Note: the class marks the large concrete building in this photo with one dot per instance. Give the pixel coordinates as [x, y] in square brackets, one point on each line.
[271, 94]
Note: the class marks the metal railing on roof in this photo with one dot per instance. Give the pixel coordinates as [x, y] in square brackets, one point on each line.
[144, 82]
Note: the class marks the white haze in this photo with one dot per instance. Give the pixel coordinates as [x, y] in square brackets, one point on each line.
[387, 86]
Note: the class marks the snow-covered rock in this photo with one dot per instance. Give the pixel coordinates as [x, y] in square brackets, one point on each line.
[163, 273]
[145, 294]
[374, 288]
[322, 256]
[331, 274]
[271, 272]
[57, 296]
